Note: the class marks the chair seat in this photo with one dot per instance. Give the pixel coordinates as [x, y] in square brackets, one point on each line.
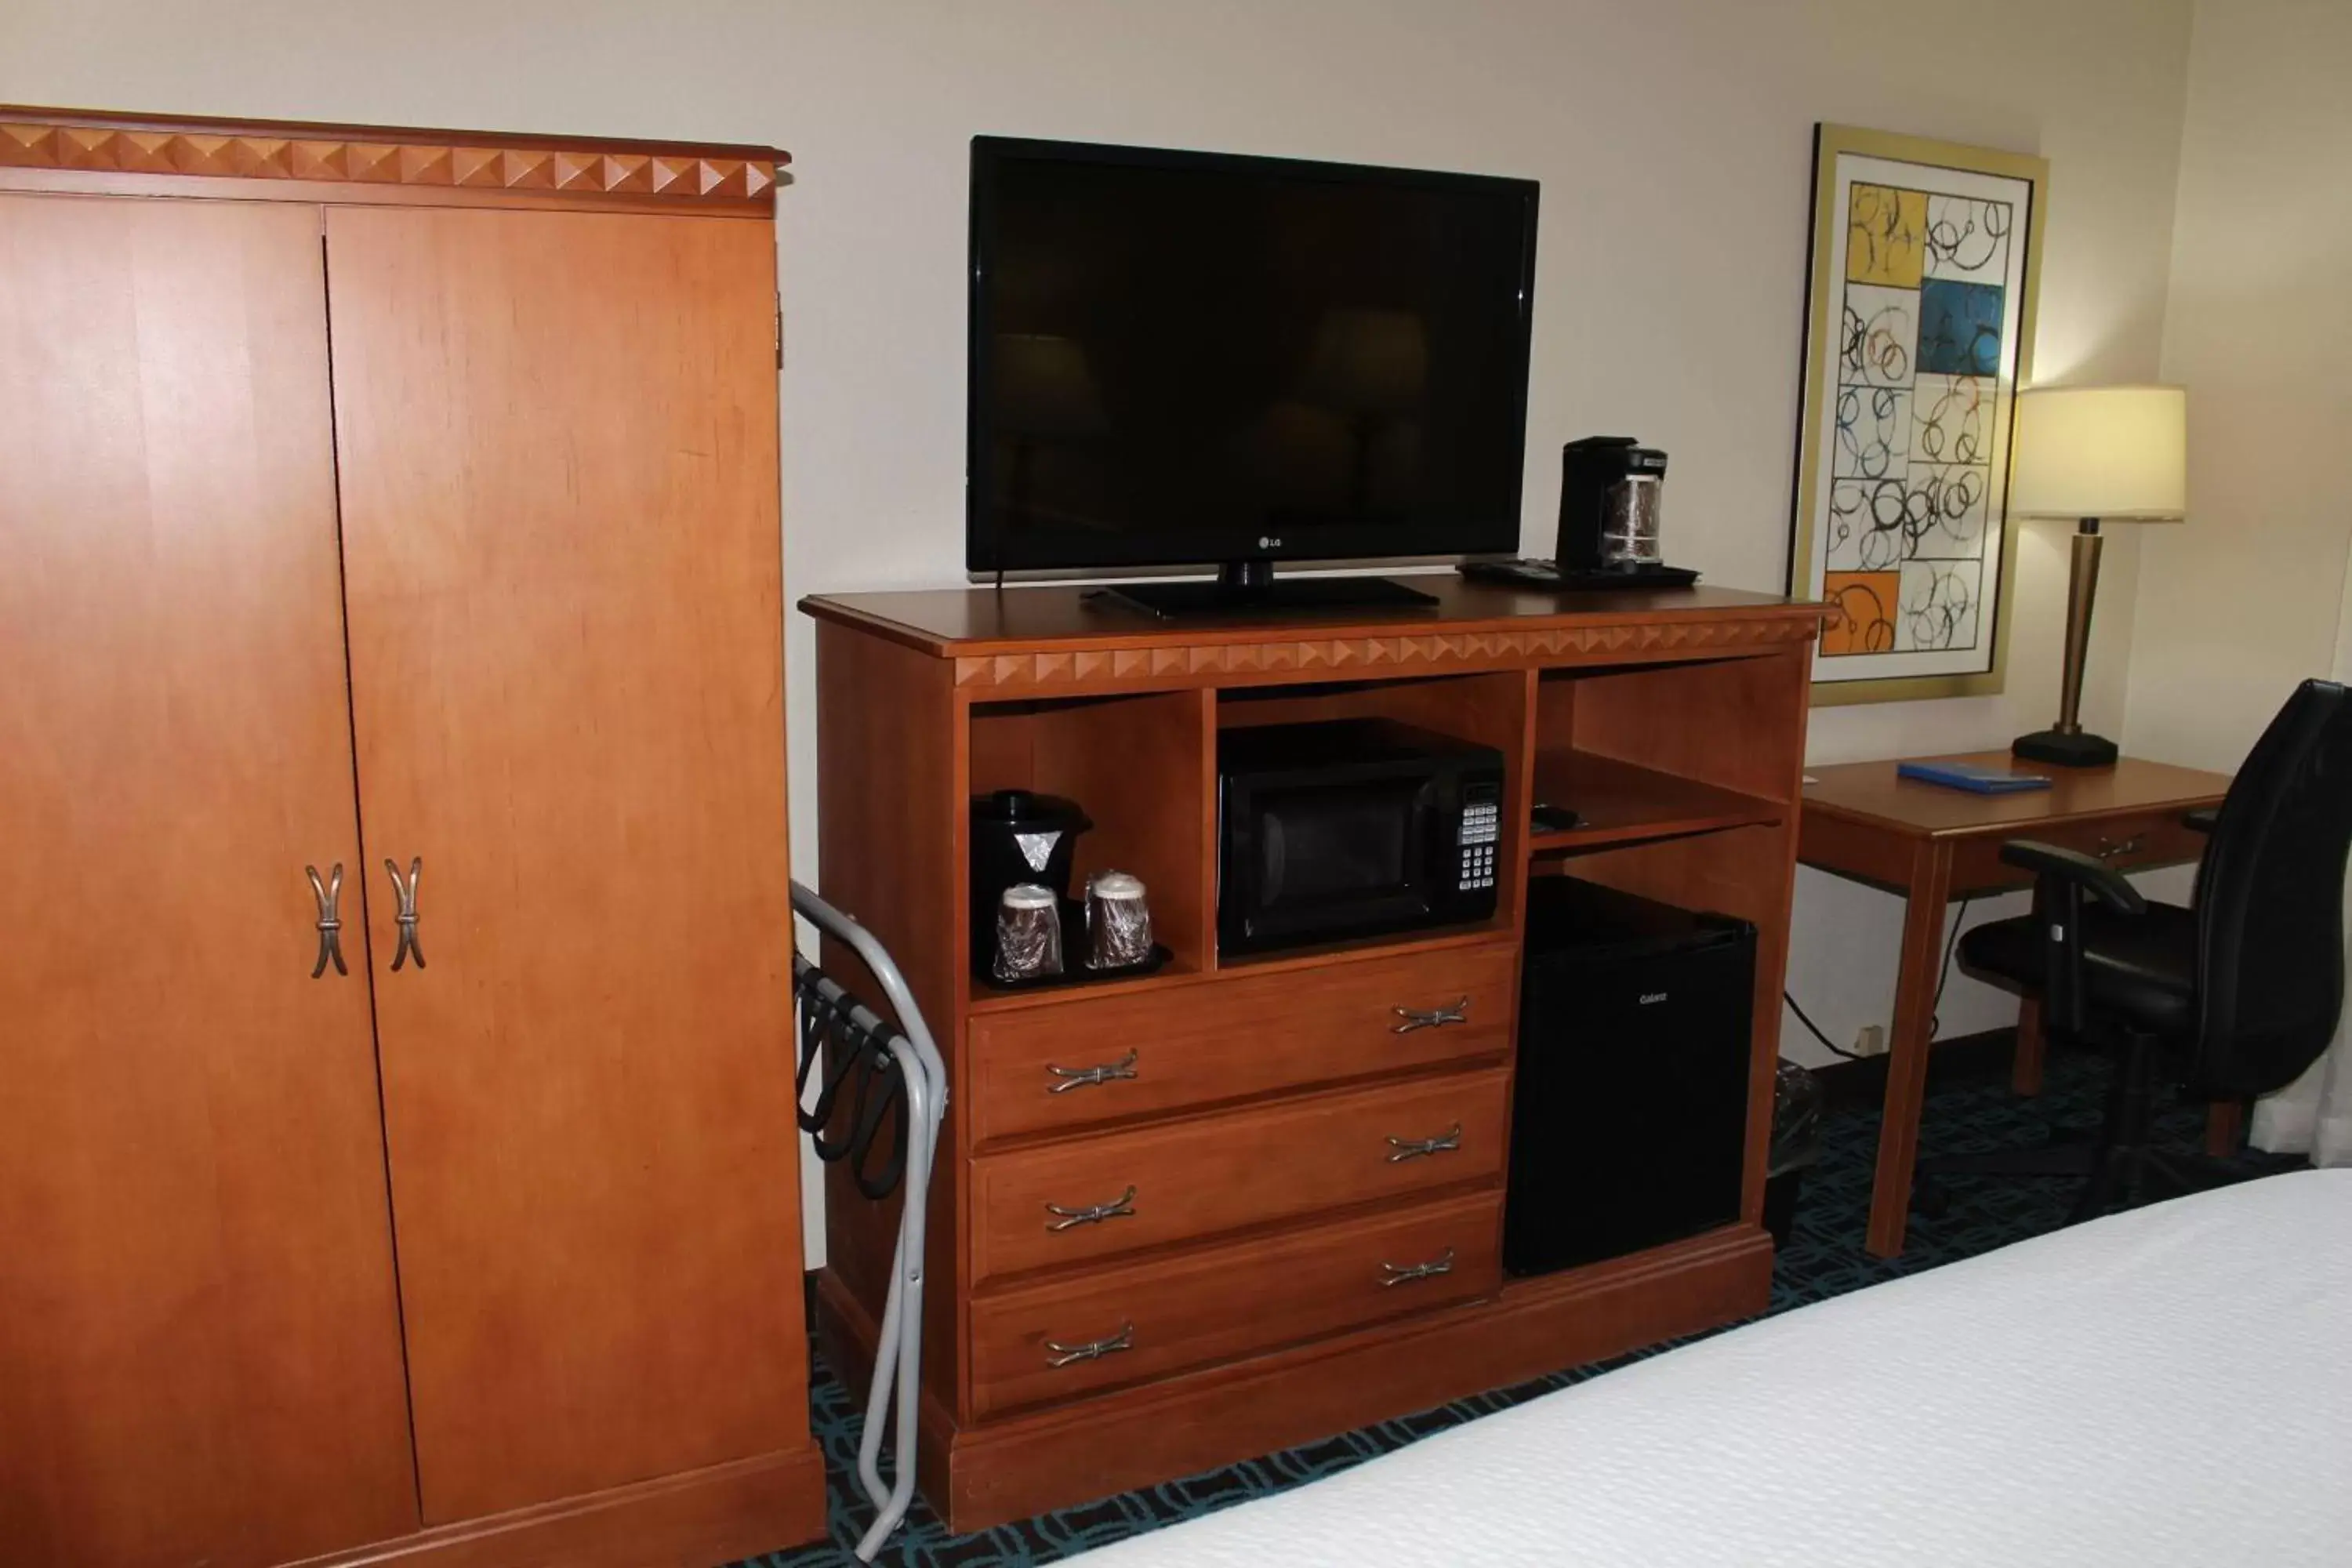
[2141, 966]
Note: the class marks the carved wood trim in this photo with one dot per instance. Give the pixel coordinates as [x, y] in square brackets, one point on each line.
[690, 177]
[1050, 670]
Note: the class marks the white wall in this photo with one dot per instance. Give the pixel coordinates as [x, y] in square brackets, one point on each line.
[2097, 90]
[1672, 139]
[2243, 600]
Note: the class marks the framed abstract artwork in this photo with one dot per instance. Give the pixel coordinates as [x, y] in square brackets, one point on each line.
[1921, 289]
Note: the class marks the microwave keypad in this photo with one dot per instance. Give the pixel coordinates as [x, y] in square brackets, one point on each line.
[1481, 826]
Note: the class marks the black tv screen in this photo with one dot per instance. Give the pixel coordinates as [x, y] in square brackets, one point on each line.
[1181, 358]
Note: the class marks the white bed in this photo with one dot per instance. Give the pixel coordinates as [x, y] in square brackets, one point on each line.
[2172, 1385]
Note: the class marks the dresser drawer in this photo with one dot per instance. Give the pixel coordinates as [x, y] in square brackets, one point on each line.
[2126, 843]
[1216, 1303]
[1111, 1193]
[1074, 1064]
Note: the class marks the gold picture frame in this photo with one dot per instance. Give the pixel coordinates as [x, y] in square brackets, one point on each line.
[1921, 303]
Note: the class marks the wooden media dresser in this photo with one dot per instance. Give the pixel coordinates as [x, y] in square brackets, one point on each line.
[1247, 1269]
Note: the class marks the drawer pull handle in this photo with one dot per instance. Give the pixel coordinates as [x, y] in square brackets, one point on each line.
[328, 893]
[405, 893]
[2113, 849]
[1393, 1274]
[1070, 1219]
[1079, 1077]
[1430, 1019]
[1403, 1149]
[1058, 1354]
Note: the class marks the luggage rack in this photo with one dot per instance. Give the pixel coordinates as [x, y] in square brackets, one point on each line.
[895, 1071]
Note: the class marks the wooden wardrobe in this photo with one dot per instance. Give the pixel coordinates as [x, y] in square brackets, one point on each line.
[399, 508]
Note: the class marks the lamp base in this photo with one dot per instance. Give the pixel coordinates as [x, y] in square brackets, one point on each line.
[2065, 749]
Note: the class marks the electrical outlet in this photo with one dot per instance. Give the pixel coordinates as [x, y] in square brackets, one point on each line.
[1870, 1040]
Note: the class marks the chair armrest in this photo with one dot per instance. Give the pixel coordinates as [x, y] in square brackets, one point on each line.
[2089, 872]
[2201, 819]
[2063, 880]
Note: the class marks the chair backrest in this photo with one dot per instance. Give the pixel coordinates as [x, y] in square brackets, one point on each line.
[2270, 902]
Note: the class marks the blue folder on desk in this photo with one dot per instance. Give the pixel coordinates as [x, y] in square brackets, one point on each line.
[1968, 776]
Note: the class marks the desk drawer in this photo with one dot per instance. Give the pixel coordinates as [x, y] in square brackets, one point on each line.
[2128, 843]
[1214, 1304]
[1090, 1197]
[1234, 1038]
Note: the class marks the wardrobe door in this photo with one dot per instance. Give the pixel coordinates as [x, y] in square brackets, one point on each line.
[557, 439]
[199, 1339]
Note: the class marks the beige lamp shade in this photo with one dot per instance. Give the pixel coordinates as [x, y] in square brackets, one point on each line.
[2116, 453]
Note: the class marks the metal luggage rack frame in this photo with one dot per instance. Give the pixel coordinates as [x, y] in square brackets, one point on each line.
[865, 1041]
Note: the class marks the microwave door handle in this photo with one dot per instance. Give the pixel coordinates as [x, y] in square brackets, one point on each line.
[1269, 861]
[1426, 845]
[1429, 804]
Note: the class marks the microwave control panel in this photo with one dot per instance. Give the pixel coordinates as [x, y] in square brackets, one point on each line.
[1481, 829]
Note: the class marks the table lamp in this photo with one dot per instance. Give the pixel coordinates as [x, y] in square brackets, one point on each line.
[2096, 454]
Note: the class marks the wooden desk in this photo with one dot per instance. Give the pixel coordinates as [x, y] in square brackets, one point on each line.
[1932, 845]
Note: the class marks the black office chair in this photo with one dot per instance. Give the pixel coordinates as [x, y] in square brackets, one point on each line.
[2231, 997]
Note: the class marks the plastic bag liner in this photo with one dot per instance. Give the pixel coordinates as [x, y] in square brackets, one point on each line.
[1796, 1119]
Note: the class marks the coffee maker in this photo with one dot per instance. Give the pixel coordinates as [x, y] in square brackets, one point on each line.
[1612, 494]
[1611, 502]
[1017, 836]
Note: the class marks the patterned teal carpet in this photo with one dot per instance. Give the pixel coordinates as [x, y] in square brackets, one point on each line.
[1824, 1259]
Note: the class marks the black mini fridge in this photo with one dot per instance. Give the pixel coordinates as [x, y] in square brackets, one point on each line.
[1629, 1112]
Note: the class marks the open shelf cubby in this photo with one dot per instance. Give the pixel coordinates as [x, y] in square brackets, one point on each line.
[1490, 709]
[1625, 802]
[1648, 752]
[1138, 766]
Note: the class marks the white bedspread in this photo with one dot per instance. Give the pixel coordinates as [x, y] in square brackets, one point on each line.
[2172, 1385]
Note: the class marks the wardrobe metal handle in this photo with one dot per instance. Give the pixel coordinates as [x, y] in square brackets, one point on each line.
[330, 894]
[1431, 1018]
[2111, 848]
[1058, 1354]
[1392, 1274]
[1415, 1148]
[1070, 1219]
[1079, 1077]
[405, 915]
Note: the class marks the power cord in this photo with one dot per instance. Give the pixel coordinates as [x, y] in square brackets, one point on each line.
[1943, 975]
[1934, 1024]
[1816, 1030]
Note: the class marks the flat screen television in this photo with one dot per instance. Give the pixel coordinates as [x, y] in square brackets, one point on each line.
[1184, 358]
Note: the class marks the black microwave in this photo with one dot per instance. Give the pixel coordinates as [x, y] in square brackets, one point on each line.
[1351, 828]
